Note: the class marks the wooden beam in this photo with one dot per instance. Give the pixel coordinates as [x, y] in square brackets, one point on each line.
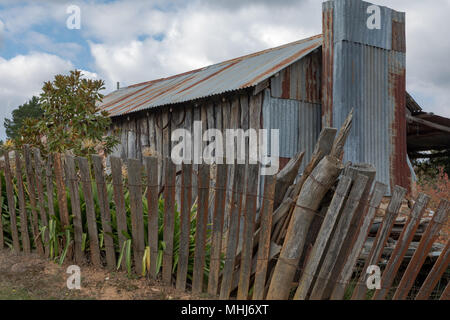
[428, 124]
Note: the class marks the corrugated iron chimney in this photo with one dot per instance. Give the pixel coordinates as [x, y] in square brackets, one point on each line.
[364, 69]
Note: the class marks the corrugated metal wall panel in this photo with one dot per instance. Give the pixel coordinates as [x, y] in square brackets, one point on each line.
[351, 24]
[299, 81]
[299, 124]
[368, 76]
[363, 86]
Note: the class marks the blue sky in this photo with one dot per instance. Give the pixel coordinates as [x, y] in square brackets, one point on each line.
[130, 41]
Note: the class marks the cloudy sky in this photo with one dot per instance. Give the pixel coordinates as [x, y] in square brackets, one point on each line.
[132, 41]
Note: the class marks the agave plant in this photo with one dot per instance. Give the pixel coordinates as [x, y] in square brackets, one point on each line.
[60, 239]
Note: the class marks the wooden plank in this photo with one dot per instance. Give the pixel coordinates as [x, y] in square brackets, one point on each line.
[439, 268]
[264, 237]
[233, 232]
[322, 148]
[381, 238]
[324, 235]
[131, 137]
[446, 294]
[421, 253]
[428, 124]
[200, 233]
[217, 231]
[185, 225]
[249, 226]
[31, 183]
[41, 199]
[169, 219]
[407, 235]
[76, 209]
[11, 204]
[91, 218]
[352, 171]
[314, 190]
[166, 141]
[151, 164]
[61, 191]
[119, 200]
[49, 187]
[347, 270]
[339, 234]
[22, 208]
[137, 212]
[104, 211]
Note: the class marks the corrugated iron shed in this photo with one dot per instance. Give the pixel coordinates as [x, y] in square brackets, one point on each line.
[231, 75]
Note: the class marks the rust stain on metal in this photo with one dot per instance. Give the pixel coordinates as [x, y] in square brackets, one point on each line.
[286, 84]
[398, 36]
[210, 76]
[327, 67]
[285, 62]
[148, 96]
[400, 173]
[313, 89]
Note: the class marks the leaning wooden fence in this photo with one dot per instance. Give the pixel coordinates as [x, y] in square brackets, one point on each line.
[301, 238]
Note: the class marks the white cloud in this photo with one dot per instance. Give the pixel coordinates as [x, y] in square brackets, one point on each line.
[23, 76]
[193, 36]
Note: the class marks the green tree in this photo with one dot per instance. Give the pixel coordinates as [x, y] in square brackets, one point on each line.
[29, 110]
[71, 119]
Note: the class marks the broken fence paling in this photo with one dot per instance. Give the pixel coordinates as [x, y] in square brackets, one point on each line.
[261, 259]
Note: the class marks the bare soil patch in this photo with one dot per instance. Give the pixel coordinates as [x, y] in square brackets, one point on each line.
[30, 277]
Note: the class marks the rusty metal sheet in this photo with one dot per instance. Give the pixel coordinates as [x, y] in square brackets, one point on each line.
[235, 74]
[362, 72]
[300, 81]
[351, 19]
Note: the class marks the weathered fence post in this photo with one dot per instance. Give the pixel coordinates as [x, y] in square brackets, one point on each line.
[32, 196]
[339, 234]
[381, 238]
[40, 193]
[185, 225]
[233, 231]
[23, 211]
[153, 211]
[347, 270]
[104, 211]
[137, 215]
[72, 183]
[312, 192]
[11, 204]
[352, 171]
[91, 218]
[264, 237]
[217, 231]
[249, 226]
[169, 219]
[200, 232]
[402, 246]
[61, 191]
[324, 235]
[416, 262]
[439, 267]
[119, 200]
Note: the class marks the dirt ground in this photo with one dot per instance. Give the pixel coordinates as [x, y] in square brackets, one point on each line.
[33, 278]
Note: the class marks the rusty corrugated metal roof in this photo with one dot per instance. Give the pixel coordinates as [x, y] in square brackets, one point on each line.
[235, 74]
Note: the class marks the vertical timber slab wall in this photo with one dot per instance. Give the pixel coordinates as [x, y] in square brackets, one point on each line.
[364, 70]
